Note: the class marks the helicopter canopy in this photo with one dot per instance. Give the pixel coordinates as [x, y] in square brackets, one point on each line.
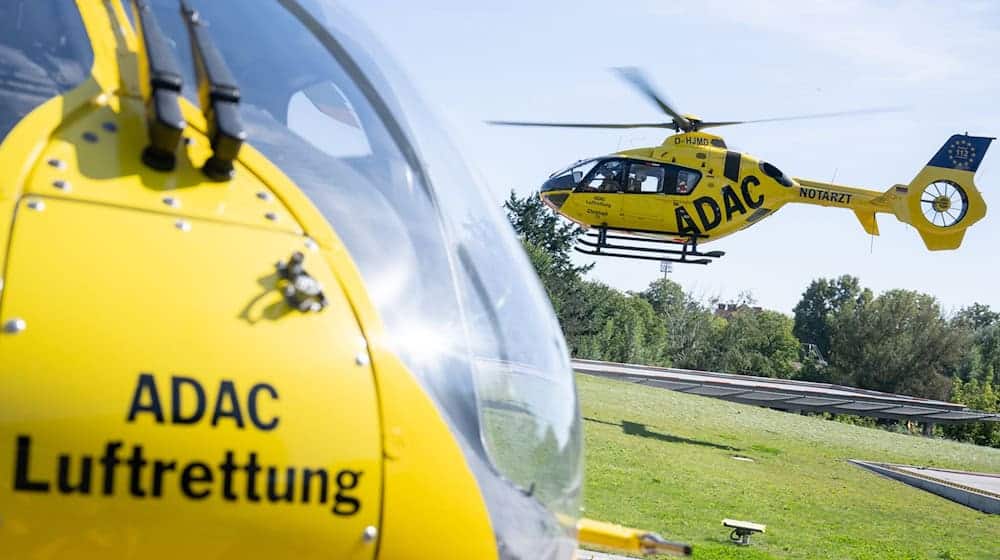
[326, 106]
[617, 174]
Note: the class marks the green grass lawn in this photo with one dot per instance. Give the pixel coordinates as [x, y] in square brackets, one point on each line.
[662, 460]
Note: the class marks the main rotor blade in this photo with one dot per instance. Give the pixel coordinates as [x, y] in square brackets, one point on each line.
[584, 125]
[638, 80]
[712, 124]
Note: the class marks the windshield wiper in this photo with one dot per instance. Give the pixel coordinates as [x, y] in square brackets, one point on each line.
[219, 97]
[161, 83]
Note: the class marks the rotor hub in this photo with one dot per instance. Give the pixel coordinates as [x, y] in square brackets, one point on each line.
[942, 204]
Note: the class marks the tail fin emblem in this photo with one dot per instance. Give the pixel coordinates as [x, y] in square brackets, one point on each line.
[962, 153]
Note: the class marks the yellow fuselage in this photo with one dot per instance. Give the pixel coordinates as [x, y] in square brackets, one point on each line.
[734, 190]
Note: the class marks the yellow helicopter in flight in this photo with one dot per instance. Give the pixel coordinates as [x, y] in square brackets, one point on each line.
[662, 203]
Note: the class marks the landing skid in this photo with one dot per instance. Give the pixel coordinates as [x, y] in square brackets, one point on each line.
[596, 243]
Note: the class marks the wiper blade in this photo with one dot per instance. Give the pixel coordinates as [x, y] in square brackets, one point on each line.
[219, 97]
[161, 83]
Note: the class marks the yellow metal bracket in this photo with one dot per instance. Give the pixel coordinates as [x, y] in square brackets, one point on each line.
[624, 539]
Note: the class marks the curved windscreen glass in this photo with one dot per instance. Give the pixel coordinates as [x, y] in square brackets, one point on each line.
[459, 300]
[44, 52]
[569, 177]
[578, 170]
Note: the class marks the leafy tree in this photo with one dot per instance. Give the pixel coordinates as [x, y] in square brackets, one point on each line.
[978, 396]
[822, 299]
[537, 225]
[977, 317]
[983, 326]
[756, 342]
[987, 345]
[622, 328]
[899, 343]
[690, 325]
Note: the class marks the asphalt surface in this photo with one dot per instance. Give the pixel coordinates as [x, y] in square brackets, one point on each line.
[989, 483]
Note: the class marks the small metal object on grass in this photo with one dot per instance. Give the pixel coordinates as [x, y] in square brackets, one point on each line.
[742, 530]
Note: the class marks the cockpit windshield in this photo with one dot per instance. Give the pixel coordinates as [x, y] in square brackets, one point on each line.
[569, 177]
[44, 52]
[577, 170]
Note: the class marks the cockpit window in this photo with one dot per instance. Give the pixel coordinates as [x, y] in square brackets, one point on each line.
[577, 170]
[680, 180]
[645, 178]
[606, 177]
[44, 52]
[323, 116]
[569, 177]
[687, 180]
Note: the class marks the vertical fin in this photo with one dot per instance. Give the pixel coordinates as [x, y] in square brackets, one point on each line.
[867, 219]
[942, 201]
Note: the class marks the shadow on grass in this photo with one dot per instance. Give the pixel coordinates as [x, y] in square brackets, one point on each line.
[637, 429]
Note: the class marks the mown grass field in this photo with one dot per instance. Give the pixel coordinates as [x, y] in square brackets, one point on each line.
[662, 460]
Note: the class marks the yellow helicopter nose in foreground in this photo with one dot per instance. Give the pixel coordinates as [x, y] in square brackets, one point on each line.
[250, 310]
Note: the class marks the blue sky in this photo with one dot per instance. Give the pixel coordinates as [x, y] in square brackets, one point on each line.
[722, 60]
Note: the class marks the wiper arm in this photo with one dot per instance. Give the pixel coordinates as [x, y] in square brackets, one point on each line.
[161, 83]
[219, 97]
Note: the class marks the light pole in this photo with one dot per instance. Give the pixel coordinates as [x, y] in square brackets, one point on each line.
[666, 267]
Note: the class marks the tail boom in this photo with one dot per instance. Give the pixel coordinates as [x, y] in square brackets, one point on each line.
[941, 202]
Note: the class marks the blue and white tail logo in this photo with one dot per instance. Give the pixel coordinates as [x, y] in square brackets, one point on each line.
[961, 152]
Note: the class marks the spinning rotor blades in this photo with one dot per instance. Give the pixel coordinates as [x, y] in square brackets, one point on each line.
[638, 80]
[710, 124]
[583, 125]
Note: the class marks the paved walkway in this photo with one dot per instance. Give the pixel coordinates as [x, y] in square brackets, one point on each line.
[976, 490]
[989, 483]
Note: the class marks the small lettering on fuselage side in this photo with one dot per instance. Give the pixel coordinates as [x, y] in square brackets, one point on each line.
[691, 141]
[830, 196]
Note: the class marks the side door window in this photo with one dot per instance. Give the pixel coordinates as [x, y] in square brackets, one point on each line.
[680, 180]
[645, 178]
[606, 177]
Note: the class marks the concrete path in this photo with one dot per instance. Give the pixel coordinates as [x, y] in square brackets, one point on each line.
[989, 483]
[976, 490]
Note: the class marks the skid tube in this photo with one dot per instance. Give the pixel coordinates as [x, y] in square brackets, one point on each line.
[687, 253]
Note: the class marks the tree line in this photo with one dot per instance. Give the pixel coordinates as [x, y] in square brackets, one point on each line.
[899, 341]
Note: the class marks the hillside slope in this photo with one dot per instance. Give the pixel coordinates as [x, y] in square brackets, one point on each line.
[662, 460]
